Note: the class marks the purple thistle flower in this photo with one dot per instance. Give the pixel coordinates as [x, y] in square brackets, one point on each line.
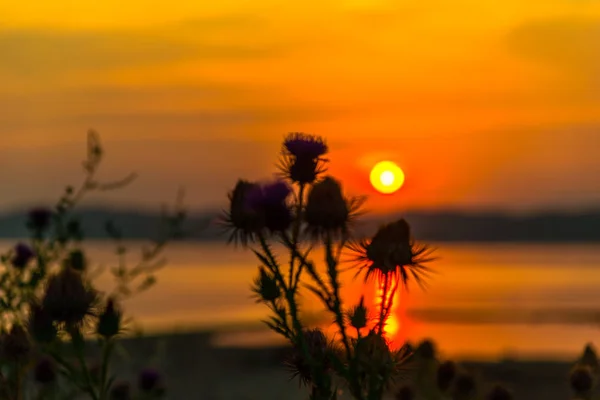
[270, 200]
[304, 145]
[23, 254]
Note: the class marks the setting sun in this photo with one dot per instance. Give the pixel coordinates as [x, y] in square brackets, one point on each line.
[386, 177]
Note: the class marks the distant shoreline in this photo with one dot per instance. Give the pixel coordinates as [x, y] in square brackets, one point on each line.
[434, 226]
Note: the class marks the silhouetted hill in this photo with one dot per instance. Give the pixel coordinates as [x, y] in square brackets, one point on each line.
[432, 226]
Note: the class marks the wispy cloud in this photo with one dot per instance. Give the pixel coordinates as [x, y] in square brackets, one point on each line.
[45, 53]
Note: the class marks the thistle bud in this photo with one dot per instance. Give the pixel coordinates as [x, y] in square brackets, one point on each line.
[40, 324]
[23, 254]
[327, 210]
[15, 344]
[358, 315]
[67, 298]
[426, 350]
[373, 353]
[266, 287]
[149, 381]
[499, 393]
[39, 219]
[445, 375]
[581, 380]
[76, 260]
[589, 357]
[109, 322]
[120, 391]
[465, 386]
[45, 371]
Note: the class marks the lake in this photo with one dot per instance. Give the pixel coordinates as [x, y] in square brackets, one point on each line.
[485, 301]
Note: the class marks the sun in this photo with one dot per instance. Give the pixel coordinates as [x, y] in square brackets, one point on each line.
[386, 177]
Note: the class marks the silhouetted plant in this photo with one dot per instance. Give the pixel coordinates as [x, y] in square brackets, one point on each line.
[302, 209]
[50, 306]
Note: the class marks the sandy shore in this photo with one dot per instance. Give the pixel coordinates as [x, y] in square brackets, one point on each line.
[195, 369]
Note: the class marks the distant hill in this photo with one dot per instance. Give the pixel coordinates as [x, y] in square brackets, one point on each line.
[440, 226]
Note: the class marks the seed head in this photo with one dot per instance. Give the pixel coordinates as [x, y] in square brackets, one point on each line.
[499, 393]
[45, 371]
[67, 299]
[109, 322]
[445, 375]
[373, 354]
[22, 255]
[16, 344]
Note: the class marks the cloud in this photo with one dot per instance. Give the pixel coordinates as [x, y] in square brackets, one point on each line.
[569, 43]
[44, 53]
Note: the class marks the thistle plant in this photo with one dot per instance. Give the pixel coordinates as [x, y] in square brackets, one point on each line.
[304, 208]
[51, 309]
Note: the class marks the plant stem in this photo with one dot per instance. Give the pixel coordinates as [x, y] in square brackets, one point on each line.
[382, 305]
[78, 344]
[107, 349]
[295, 235]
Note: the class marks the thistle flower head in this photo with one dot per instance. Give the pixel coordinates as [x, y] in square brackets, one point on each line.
[45, 371]
[581, 380]
[266, 287]
[270, 201]
[16, 344]
[40, 324]
[120, 391]
[242, 221]
[303, 145]
[67, 298]
[22, 255]
[499, 393]
[393, 251]
[109, 321]
[328, 211]
[302, 160]
[39, 219]
[445, 375]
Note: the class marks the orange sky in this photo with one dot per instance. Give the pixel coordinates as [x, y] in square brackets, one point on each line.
[482, 104]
